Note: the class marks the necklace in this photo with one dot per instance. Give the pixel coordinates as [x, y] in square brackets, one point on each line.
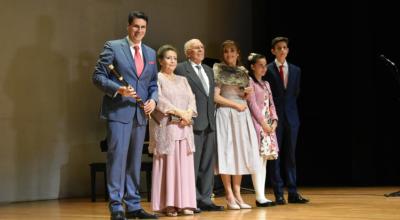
[170, 76]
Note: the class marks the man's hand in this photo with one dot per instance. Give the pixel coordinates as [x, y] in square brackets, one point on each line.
[149, 106]
[127, 91]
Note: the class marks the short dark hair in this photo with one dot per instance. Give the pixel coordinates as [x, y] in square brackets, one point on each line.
[163, 49]
[279, 39]
[137, 14]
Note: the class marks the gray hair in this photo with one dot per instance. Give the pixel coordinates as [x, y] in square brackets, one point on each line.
[188, 45]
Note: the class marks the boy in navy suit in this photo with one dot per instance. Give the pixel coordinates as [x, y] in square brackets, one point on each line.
[284, 79]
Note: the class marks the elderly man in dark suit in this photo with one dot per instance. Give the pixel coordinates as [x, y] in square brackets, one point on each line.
[126, 119]
[201, 80]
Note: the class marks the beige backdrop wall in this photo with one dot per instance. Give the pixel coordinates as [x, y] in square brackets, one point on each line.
[49, 125]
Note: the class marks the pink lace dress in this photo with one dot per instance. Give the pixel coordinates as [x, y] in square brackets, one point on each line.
[173, 180]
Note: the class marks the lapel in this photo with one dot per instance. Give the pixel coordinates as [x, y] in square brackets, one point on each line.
[290, 77]
[210, 76]
[145, 59]
[192, 75]
[128, 54]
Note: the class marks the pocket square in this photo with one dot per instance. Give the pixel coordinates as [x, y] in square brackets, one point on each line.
[152, 62]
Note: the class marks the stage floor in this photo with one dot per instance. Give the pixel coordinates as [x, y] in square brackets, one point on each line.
[326, 204]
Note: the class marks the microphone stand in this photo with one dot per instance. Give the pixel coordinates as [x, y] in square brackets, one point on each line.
[394, 69]
[393, 194]
[395, 73]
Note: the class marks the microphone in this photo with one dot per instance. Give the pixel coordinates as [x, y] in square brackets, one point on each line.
[387, 60]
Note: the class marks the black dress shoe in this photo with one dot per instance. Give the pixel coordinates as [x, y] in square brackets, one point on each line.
[140, 214]
[197, 210]
[297, 198]
[119, 215]
[211, 207]
[265, 204]
[279, 200]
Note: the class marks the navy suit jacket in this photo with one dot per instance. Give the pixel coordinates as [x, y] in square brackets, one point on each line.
[285, 100]
[120, 108]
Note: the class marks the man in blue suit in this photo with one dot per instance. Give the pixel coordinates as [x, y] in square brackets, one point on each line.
[284, 79]
[126, 119]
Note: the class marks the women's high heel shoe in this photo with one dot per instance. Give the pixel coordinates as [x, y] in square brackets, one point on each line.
[233, 205]
[171, 212]
[243, 205]
[187, 212]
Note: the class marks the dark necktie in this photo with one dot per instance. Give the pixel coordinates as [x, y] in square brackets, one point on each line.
[203, 81]
[282, 75]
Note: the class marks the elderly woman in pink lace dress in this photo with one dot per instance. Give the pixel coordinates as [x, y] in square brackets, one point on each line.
[172, 141]
[265, 120]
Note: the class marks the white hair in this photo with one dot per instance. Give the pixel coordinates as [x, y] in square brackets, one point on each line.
[188, 45]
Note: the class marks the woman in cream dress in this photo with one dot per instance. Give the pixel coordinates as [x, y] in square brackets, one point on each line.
[237, 142]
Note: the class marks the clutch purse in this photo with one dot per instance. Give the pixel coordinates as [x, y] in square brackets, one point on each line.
[174, 119]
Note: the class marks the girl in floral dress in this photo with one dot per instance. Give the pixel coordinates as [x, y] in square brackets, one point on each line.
[265, 120]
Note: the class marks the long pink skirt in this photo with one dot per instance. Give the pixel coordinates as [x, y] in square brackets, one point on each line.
[173, 181]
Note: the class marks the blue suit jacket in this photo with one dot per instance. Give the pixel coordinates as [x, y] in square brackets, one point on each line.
[285, 100]
[119, 108]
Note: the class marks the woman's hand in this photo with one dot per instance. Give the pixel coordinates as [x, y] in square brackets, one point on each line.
[266, 127]
[184, 123]
[269, 128]
[274, 125]
[248, 90]
[240, 107]
[186, 116]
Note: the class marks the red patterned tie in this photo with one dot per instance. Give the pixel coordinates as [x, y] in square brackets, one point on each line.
[281, 74]
[138, 61]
